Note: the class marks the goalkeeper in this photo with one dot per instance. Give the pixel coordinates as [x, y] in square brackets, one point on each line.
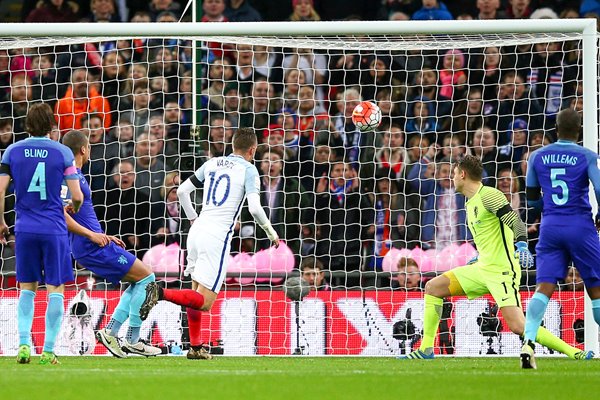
[497, 270]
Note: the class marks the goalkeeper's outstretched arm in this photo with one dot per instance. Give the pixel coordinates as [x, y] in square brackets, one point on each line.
[261, 218]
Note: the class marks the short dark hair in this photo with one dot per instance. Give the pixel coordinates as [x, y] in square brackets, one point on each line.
[75, 140]
[471, 165]
[311, 263]
[243, 139]
[40, 120]
[568, 124]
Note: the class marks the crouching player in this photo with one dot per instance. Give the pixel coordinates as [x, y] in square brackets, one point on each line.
[495, 227]
[105, 256]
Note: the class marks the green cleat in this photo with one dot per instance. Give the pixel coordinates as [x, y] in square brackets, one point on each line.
[584, 355]
[24, 354]
[48, 358]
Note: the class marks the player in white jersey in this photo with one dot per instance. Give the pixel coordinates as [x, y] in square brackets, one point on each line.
[226, 181]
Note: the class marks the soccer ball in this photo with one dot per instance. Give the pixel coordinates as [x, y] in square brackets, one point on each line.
[296, 288]
[366, 116]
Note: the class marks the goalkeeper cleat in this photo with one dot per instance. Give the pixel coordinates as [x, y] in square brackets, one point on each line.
[528, 356]
[584, 355]
[24, 354]
[141, 348]
[48, 359]
[153, 294]
[418, 355]
[198, 353]
[112, 343]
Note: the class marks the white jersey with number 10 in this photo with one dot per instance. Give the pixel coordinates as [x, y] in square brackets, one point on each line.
[227, 181]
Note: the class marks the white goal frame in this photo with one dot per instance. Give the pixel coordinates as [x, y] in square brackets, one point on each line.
[586, 28]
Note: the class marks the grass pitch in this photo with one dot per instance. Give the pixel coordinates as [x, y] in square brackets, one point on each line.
[232, 378]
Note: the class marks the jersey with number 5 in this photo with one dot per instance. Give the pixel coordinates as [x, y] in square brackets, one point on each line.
[38, 166]
[226, 182]
[563, 171]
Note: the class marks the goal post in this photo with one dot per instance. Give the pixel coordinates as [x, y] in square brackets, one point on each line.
[367, 309]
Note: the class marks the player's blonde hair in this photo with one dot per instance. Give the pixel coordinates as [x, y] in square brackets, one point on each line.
[244, 139]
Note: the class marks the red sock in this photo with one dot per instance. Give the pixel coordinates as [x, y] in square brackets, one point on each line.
[184, 297]
[194, 318]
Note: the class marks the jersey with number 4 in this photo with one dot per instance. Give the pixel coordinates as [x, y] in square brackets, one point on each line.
[227, 181]
[563, 171]
[38, 166]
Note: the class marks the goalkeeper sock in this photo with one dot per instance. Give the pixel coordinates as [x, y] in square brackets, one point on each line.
[535, 313]
[546, 338]
[54, 315]
[184, 297]
[25, 316]
[596, 310]
[194, 318]
[121, 312]
[431, 321]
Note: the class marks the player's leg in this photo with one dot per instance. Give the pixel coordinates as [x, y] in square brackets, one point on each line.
[585, 256]
[58, 270]
[197, 352]
[552, 262]
[29, 273]
[436, 289]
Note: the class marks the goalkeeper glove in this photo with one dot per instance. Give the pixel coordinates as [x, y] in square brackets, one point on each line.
[524, 255]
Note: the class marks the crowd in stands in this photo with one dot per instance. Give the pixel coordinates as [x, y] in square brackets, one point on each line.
[338, 197]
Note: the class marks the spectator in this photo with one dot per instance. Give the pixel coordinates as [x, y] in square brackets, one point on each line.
[260, 108]
[514, 102]
[294, 78]
[486, 72]
[344, 216]
[543, 13]
[156, 7]
[212, 96]
[518, 9]
[21, 95]
[518, 145]
[304, 11]
[241, 11]
[6, 134]
[102, 157]
[165, 64]
[420, 118]
[468, 115]
[409, 275]
[44, 78]
[313, 121]
[54, 11]
[166, 223]
[508, 183]
[140, 114]
[126, 210]
[488, 9]
[314, 66]
[393, 154]
[103, 11]
[149, 168]
[219, 136]
[346, 134]
[453, 146]
[316, 168]
[213, 12]
[267, 63]
[573, 280]
[378, 77]
[115, 86]
[313, 272]
[443, 216]
[483, 145]
[452, 76]
[124, 134]
[81, 98]
[426, 85]
[178, 131]
[432, 10]
[283, 201]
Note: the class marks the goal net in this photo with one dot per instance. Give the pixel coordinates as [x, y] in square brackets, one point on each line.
[366, 218]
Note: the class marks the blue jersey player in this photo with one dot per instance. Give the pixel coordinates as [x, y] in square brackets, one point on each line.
[38, 166]
[106, 256]
[562, 172]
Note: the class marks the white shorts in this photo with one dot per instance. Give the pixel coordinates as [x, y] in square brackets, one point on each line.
[207, 259]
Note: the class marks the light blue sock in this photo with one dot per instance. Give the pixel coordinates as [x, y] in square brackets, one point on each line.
[535, 313]
[25, 316]
[137, 298]
[596, 310]
[54, 315]
[121, 312]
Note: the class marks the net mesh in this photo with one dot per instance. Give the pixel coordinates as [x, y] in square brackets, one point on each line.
[376, 210]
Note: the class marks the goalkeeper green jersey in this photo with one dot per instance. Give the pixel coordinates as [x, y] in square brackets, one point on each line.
[493, 238]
